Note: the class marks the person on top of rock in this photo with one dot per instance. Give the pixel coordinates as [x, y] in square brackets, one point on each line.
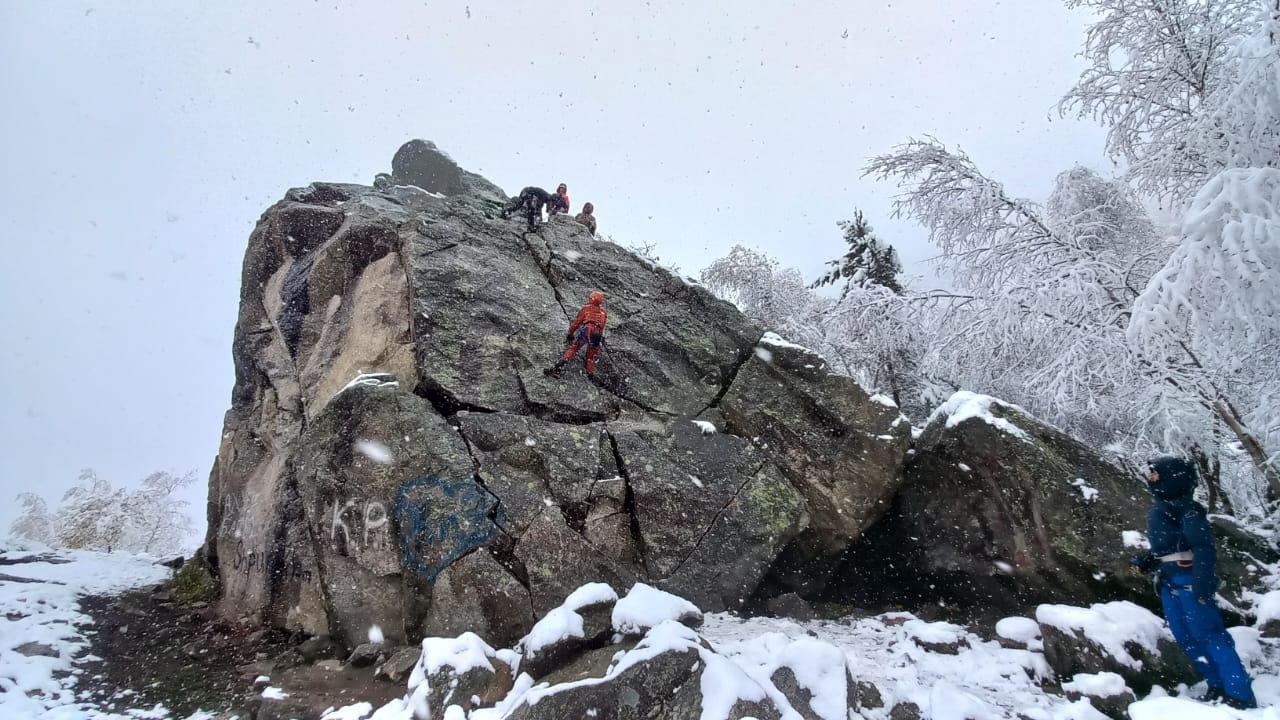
[587, 218]
[1183, 556]
[532, 199]
[587, 329]
[559, 202]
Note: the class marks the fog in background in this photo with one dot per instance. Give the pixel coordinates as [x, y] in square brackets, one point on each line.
[139, 142]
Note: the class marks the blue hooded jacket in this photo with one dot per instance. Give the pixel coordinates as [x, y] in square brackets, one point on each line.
[1177, 523]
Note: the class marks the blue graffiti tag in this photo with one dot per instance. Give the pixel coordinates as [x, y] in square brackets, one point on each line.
[440, 520]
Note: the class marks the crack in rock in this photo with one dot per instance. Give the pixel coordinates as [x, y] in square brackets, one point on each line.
[715, 518]
[445, 402]
[629, 506]
[743, 358]
[546, 269]
[544, 412]
[449, 246]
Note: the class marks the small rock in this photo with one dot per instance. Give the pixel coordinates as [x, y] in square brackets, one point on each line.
[905, 711]
[288, 659]
[790, 605]
[867, 695]
[1113, 706]
[401, 662]
[942, 648]
[332, 665]
[367, 654]
[316, 648]
[173, 563]
[32, 649]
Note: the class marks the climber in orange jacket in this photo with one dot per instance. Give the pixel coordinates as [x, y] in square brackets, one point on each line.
[587, 329]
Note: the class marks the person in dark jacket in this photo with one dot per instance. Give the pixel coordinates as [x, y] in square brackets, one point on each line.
[532, 199]
[559, 203]
[587, 329]
[1183, 554]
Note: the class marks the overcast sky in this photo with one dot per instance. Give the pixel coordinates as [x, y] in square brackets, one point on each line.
[139, 143]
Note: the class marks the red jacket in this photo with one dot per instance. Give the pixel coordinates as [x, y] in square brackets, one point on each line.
[590, 313]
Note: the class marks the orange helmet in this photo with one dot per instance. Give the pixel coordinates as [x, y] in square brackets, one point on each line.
[596, 298]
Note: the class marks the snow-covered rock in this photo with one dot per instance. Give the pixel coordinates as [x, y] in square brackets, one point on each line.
[1119, 638]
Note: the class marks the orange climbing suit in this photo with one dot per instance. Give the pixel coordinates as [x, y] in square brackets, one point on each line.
[588, 329]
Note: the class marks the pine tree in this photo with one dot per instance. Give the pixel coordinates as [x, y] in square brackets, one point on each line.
[868, 261]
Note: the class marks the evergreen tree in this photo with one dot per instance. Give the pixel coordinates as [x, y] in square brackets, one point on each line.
[868, 261]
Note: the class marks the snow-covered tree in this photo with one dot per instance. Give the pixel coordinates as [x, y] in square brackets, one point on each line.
[35, 521]
[1158, 71]
[93, 515]
[1046, 296]
[159, 519]
[1209, 320]
[877, 336]
[872, 334]
[773, 296]
[869, 261]
[1040, 300]
[96, 516]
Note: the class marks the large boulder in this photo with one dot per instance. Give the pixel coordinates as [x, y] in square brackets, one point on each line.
[395, 456]
[999, 511]
[841, 448]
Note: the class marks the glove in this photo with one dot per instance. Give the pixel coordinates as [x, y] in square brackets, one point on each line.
[1145, 563]
[568, 338]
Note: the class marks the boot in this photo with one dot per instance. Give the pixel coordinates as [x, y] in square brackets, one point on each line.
[1213, 694]
[1238, 704]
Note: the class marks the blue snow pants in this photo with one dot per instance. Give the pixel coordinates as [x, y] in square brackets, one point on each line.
[1199, 630]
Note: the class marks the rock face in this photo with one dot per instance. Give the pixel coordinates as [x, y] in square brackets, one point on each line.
[395, 456]
[999, 511]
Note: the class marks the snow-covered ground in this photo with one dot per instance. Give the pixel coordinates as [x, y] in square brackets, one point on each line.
[982, 680]
[47, 614]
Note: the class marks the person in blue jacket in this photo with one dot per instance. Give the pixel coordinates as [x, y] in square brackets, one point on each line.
[1182, 552]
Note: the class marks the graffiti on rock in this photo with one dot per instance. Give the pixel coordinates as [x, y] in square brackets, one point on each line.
[247, 562]
[370, 518]
[440, 520]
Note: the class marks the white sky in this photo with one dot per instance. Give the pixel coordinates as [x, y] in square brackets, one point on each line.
[139, 142]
